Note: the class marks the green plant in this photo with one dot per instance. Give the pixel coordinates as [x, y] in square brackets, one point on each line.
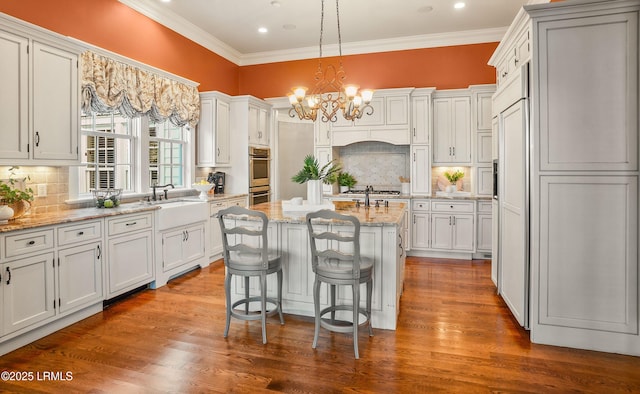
[311, 170]
[453, 178]
[9, 192]
[346, 179]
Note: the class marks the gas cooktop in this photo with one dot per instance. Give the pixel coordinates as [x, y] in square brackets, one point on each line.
[362, 191]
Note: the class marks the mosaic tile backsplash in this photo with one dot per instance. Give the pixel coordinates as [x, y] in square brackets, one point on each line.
[375, 163]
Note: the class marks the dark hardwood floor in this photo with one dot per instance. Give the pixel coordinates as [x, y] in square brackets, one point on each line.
[454, 335]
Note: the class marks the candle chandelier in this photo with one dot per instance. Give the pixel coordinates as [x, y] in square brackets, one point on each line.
[330, 95]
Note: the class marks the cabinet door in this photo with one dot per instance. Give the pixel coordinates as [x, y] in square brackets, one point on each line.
[484, 233]
[172, 249]
[483, 147]
[80, 276]
[420, 231]
[253, 124]
[130, 262]
[55, 103]
[258, 122]
[14, 99]
[461, 130]
[324, 156]
[397, 110]
[463, 232]
[421, 119]
[441, 237]
[215, 233]
[28, 291]
[420, 170]
[442, 130]
[323, 133]
[483, 111]
[206, 133]
[263, 131]
[193, 245]
[223, 133]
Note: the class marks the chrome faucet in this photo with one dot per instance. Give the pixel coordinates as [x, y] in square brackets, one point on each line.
[367, 190]
[155, 186]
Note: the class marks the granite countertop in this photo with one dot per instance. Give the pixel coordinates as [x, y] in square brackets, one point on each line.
[372, 216]
[392, 197]
[72, 215]
[222, 197]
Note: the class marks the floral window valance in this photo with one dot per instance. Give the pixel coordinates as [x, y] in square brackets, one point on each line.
[109, 85]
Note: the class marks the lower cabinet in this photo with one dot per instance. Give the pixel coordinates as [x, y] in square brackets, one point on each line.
[129, 253]
[80, 276]
[215, 234]
[28, 291]
[182, 245]
[484, 227]
[420, 224]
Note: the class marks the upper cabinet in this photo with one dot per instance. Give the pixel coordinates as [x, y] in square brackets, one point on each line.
[214, 132]
[258, 125]
[389, 122]
[39, 104]
[452, 128]
[421, 115]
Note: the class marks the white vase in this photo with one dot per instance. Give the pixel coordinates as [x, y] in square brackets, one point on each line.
[314, 192]
[6, 213]
[451, 189]
[344, 189]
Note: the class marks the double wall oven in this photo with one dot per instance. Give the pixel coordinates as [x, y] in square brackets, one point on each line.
[259, 175]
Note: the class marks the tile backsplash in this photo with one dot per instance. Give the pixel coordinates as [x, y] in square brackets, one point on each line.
[56, 180]
[376, 163]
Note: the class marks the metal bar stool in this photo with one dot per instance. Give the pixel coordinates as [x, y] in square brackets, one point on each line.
[246, 254]
[336, 260]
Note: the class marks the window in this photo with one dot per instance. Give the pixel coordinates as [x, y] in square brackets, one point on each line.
[129, 154]
[167, 146]
[108, 146]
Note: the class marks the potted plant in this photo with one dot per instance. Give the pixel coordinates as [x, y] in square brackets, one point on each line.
[453, 178]
[346, 181]
[315, 175]
[13, 196]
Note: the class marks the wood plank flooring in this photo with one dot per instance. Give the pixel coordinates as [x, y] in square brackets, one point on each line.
[454, 336]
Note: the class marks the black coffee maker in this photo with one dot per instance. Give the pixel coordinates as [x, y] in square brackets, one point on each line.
[217, 179]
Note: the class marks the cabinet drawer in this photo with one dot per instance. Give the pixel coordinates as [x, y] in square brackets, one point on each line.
[452, 206]
[484, 206]
[24, 243]
[214, 207]
[420, 205]
[80, 232]
[241, 202]
[126, 224]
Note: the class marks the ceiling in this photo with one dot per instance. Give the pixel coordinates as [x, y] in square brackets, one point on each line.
[230, 28]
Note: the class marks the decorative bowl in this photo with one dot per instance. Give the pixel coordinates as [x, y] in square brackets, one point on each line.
[106, 198]
[203, 189]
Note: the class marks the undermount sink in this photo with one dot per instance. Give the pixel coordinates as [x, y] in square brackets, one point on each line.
[174, 213]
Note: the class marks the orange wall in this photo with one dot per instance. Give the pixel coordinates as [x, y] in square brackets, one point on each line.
[443, 68]
[113, 26]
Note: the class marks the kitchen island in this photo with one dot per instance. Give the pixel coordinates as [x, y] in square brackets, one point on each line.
[381, 238]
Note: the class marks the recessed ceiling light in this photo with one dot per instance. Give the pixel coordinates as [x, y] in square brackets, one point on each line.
[459, 5]
[262, 30]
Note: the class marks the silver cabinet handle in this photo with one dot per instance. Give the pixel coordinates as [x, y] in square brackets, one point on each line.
[99, 252]
[37, 139]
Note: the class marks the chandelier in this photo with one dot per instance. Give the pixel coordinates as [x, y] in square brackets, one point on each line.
[330, 95]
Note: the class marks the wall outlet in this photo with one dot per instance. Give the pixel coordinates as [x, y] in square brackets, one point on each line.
[42, 190]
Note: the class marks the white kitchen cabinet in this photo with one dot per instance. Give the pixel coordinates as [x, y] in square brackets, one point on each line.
[421, 116]
[452, 130]
[215, 233]
[452, 225]
[129, 253]
[324, 156]
[181, 246]
[322, 132]
[79, 265]
[28, 291]
[390, 121]
[14, 96]
[80, 276]
[420, 225]
[483, 147]
[214, 131]
[40, 89]
[420, 170]
[258, 125]
[484, 227]
[484, 181]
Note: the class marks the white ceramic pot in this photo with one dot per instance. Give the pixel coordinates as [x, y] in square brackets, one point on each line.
[451, 189]
[344, 189]
[314, 192]
[6, 213]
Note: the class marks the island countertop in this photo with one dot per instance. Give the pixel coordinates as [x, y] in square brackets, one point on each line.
[372, 216]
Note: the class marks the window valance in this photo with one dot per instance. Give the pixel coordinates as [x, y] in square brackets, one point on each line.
[109, 85]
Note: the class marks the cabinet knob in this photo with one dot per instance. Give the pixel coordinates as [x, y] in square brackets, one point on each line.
[32, 242]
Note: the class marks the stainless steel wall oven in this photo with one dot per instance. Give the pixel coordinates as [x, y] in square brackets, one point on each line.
[259, 175]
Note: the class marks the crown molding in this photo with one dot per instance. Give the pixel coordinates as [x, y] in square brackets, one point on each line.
[182, 26]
